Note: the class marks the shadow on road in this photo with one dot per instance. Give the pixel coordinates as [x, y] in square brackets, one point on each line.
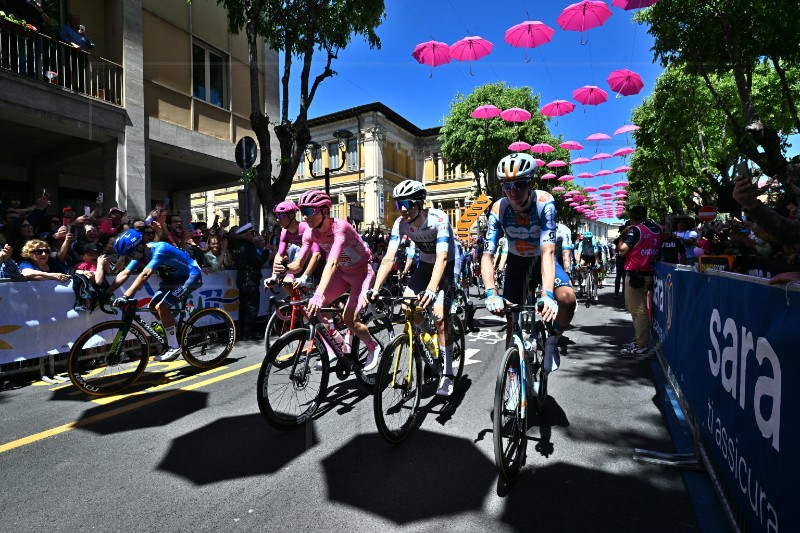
[429, 475]
[143, 411]
[235, 447]
[546, 498]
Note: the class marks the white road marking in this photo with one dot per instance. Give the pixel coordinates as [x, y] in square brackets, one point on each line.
[468, 353]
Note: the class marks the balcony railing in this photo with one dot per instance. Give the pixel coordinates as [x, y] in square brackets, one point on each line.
[38, 56]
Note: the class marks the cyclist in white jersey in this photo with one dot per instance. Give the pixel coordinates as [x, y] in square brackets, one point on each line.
[565, 247]
[432, 234]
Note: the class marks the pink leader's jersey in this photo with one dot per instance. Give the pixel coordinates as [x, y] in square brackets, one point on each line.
[288, 238]
[341, 242]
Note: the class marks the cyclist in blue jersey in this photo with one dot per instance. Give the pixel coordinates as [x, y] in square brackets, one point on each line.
[432, 282]
[527, 217]
[180, 276]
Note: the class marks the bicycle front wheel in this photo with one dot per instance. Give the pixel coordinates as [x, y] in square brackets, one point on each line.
[103, 361]
[208, 337]
[589, 290]
[397, 390]
[382, 331]
[292, 380]
[510, 426]
[537, 369]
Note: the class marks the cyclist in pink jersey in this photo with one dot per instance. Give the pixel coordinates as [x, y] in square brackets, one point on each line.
[347, 265]
[291, 233]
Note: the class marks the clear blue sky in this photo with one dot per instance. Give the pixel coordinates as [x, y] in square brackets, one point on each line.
[393, 77]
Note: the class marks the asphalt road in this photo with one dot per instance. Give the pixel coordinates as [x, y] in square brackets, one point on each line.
[189, 451]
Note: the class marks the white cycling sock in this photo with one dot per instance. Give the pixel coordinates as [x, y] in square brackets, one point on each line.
[172, 339]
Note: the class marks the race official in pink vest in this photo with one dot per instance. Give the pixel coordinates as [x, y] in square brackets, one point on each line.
[639, 243]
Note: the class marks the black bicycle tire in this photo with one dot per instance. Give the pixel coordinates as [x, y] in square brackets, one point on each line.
[269, 335]
[268, 364]
[231, 338]
[74, 360]
[541, 375]
[459, 348]
[508, 469]
[588, 291]
[383, 381]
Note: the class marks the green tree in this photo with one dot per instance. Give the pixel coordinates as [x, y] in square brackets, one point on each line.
[479, 144]
[717, 38]
[297, 29]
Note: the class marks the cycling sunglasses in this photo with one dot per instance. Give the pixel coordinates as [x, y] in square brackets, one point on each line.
[408, 204]
[308, 211]
[281, 216]
[518, 186]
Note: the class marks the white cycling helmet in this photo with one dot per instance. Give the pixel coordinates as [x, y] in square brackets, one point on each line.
[410, 190]
[516, 166]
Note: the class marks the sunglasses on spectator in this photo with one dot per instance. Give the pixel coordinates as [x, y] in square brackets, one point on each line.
[41, 251]
[308, 211]
[26, 225]
[408, 204]
[517, 186]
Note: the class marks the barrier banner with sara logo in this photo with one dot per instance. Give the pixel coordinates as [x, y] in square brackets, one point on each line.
[37, 319]
[732, 346]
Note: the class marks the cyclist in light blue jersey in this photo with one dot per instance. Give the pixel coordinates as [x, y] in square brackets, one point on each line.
[180, 276]
[527, 217]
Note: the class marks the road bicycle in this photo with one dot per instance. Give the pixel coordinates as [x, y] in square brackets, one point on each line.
[400, 378]
[110, 356]
[294, 375]
[522, 375]
[590, 287]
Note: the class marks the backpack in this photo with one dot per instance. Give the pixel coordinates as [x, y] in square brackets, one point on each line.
[88, 294]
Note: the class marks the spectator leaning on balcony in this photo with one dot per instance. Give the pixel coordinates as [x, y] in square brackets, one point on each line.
[74, 34]
[29, 49]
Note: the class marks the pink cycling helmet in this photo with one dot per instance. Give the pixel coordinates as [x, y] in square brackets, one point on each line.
[286, 207]
[314, 199]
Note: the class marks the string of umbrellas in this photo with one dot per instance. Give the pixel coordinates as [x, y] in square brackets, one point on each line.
[603, 204]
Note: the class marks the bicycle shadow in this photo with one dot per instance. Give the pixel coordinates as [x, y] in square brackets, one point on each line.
[429, 475]
[444, 407]
[342, 394]
[235, 447]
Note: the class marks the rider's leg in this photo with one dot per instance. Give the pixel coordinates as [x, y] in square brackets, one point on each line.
[565, 296]
[358, 282]
[167, 320]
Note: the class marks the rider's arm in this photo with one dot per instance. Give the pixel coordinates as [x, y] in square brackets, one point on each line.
[300, 258]
[138, 282]
[438, 270]
[312, 263]
[547, 242]
[493, 233]
[278, 259]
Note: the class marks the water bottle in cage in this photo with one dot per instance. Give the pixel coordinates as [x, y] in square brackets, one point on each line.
[335, 335]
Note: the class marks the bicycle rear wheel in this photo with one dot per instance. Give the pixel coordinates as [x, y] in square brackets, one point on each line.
[292, 380]
[208, 337]
[382, 331]
[397, 390]
[101, 362]
[510, 426]
[459, 346]
[589, 290]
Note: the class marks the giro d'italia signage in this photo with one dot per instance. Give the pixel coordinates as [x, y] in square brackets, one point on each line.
[731, 344]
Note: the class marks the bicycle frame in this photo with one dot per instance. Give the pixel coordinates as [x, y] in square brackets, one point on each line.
[129, 316]
[408, 328]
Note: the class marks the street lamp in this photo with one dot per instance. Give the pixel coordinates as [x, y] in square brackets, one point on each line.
[342, 137]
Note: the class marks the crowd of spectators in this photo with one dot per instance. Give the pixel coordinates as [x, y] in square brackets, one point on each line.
[39, 241]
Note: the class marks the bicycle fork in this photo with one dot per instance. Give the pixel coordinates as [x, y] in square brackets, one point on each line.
[407, 381]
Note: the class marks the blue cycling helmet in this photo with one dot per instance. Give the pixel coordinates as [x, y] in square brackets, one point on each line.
[127, 242]
[587, 235]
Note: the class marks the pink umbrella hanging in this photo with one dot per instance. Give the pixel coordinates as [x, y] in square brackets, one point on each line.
[581, 161]
[539, 162]
[541, 148]
[571, 145]
[622, 183]
[515, 114]
[600, 157]
[566, 177]
[627, 5]
[590, 95]
[621, 169]
[548, 176]
[590, 189]
[519, 146]
[599, 136]
[574, 204]
[625, 82]
[557, 163]
[607, 195]
[583, 16]
[432, 53]
[626, 128]
[485, 111]
[623, 151]
[470, 49]
[602, 172]
[557, 108]
[528, 34]
[558, 189]
[585, 175]
[604, 187]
